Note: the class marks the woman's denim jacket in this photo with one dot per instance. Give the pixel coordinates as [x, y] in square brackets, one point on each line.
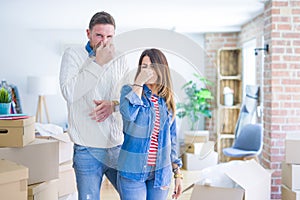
[138, 121]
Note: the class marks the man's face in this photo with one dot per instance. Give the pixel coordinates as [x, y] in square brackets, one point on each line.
[100, 33]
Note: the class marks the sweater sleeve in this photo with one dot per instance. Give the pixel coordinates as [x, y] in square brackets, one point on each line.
[77, 79]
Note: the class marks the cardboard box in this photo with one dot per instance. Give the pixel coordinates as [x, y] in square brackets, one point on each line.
[194, 148]
[43, 191]
[291, 175]
[292, 148]
[65, 151]
[13, 180]
[288, 194]
[201, 192]
[67, 179]
[65, 146]
[40, 156]
[207, 157]
[191, 137]
[252, 178]
[17, 133]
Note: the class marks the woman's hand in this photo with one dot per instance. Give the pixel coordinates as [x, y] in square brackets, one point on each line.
[144, 75]
[178, 188]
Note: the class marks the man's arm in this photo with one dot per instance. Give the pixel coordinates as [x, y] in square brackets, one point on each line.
[77, 79]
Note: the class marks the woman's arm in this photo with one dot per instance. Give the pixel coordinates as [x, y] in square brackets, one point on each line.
[130, 103]
[176, 162]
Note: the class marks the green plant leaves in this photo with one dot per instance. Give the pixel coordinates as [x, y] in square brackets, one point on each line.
[198, 101]
[4, 96]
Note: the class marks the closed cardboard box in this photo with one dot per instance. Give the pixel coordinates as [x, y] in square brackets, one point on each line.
[17, 133]
[291, 175]
[43, 191]
[13, 181]
[41, 157]
[67, 179]
[288, 194]
[292, 148]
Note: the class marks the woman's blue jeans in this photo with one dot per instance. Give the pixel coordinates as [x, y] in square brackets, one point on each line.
[90, 164]
[140, 190]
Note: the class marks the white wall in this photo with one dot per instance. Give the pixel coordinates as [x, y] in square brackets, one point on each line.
[27, 50]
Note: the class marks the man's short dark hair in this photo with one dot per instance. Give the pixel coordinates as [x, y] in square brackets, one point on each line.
[102, 18]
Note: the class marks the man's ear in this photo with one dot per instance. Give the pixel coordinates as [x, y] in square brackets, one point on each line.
[88, 33]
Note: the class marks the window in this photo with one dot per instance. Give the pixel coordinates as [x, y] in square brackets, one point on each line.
[249, 67]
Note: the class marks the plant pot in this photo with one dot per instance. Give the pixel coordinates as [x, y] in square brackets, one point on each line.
[4, 108]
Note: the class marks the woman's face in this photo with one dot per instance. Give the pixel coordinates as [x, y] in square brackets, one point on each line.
[146, 63]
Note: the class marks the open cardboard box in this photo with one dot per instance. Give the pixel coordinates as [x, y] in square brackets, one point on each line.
[253, 179]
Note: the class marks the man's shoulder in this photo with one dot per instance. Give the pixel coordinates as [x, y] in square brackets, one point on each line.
[75, 49]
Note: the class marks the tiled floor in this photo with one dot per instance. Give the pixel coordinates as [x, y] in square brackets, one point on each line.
[109, 193]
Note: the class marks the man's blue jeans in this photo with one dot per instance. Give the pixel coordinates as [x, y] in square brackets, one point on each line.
[140, 190]
[90, 164]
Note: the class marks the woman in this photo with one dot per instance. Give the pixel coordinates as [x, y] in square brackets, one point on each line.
[148, 154]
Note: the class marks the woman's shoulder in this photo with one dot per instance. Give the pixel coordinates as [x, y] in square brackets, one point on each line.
[126, 88]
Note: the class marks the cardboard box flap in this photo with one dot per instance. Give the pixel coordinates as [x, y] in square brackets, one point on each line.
[253, 178]
[11, 172]
[39, 187]
[17, 122]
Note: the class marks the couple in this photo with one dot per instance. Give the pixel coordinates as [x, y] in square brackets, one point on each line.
[141, 159]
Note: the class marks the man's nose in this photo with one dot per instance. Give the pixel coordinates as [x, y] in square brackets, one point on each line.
[105, 40]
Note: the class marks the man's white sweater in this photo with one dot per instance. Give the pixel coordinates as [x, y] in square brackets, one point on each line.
[82, 80]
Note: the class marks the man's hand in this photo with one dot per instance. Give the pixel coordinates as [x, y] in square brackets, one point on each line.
[102, 110]
[105, 53]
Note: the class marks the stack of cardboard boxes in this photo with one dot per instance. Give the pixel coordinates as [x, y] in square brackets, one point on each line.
[48, 163]
[290, 187]
[199, 151]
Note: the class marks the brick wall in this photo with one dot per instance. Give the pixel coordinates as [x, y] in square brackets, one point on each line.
[280, 27]
[281, 82]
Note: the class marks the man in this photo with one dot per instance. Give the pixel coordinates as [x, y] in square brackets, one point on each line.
[87, 78]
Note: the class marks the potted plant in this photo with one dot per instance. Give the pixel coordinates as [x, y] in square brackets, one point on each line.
[5, 101]
[198, 102]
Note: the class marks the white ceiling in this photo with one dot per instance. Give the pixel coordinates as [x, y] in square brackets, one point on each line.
[179, 15]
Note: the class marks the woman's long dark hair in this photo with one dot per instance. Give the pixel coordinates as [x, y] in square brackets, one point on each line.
[163, 83]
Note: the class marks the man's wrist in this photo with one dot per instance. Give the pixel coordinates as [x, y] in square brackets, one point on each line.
[116, 105]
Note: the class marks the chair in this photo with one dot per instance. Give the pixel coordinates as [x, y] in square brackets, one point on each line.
[248, 144]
